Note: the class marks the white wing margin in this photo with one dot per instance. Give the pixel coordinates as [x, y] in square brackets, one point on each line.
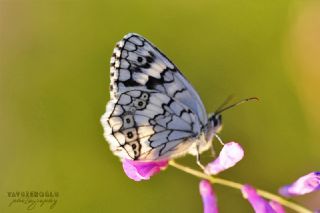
[148, 125]
[136, 64]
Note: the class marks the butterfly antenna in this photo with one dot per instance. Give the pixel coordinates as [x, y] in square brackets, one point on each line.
[225, 102]
[236, 104]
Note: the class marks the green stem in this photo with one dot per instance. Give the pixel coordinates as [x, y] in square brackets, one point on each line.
[239, 186]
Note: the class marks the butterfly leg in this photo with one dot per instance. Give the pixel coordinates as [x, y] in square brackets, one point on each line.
[198, 159]
[213, 153]
[219, 139]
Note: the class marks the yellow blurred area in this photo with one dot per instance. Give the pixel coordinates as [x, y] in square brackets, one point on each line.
[304, 52]
[54, 77]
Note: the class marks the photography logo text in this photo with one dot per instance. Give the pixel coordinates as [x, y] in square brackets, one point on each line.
[33, 199]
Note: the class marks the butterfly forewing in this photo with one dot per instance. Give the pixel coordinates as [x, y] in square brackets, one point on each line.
[136, 63]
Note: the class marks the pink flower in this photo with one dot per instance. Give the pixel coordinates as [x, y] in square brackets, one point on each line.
[304, 185]
[208, 197]
[230, 154]
[276, 206]
[259, 204]
[139, 170]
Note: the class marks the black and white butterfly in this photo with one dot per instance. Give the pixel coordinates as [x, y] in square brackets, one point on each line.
[154, 113]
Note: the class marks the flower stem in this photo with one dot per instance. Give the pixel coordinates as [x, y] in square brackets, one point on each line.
[235, 185]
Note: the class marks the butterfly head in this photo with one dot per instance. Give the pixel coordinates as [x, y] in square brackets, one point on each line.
[214, 125]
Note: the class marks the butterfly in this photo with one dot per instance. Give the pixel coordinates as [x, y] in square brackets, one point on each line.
[154, 113]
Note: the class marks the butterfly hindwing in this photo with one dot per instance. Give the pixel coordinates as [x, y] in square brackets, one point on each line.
[148, 125]
[138, 64]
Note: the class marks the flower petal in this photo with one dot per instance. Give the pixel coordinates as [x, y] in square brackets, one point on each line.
[304, 185]
[259, 204]
[208, 197]
[230, 154]
[277, 207]
[139, 170]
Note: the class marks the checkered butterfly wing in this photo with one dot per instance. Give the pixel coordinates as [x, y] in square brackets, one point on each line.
[137, 63]
[148, 125]
[154, 113]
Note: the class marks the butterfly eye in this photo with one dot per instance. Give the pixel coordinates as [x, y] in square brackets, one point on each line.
[130, 134]
[132, 110]
[128, 121]
[140, 59]
[140, 104]
[135, 147]
[144, 96]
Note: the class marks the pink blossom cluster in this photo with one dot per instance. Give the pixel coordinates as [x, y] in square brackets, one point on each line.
[229, 156]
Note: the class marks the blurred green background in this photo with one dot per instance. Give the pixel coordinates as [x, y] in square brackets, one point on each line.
[54, 77]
